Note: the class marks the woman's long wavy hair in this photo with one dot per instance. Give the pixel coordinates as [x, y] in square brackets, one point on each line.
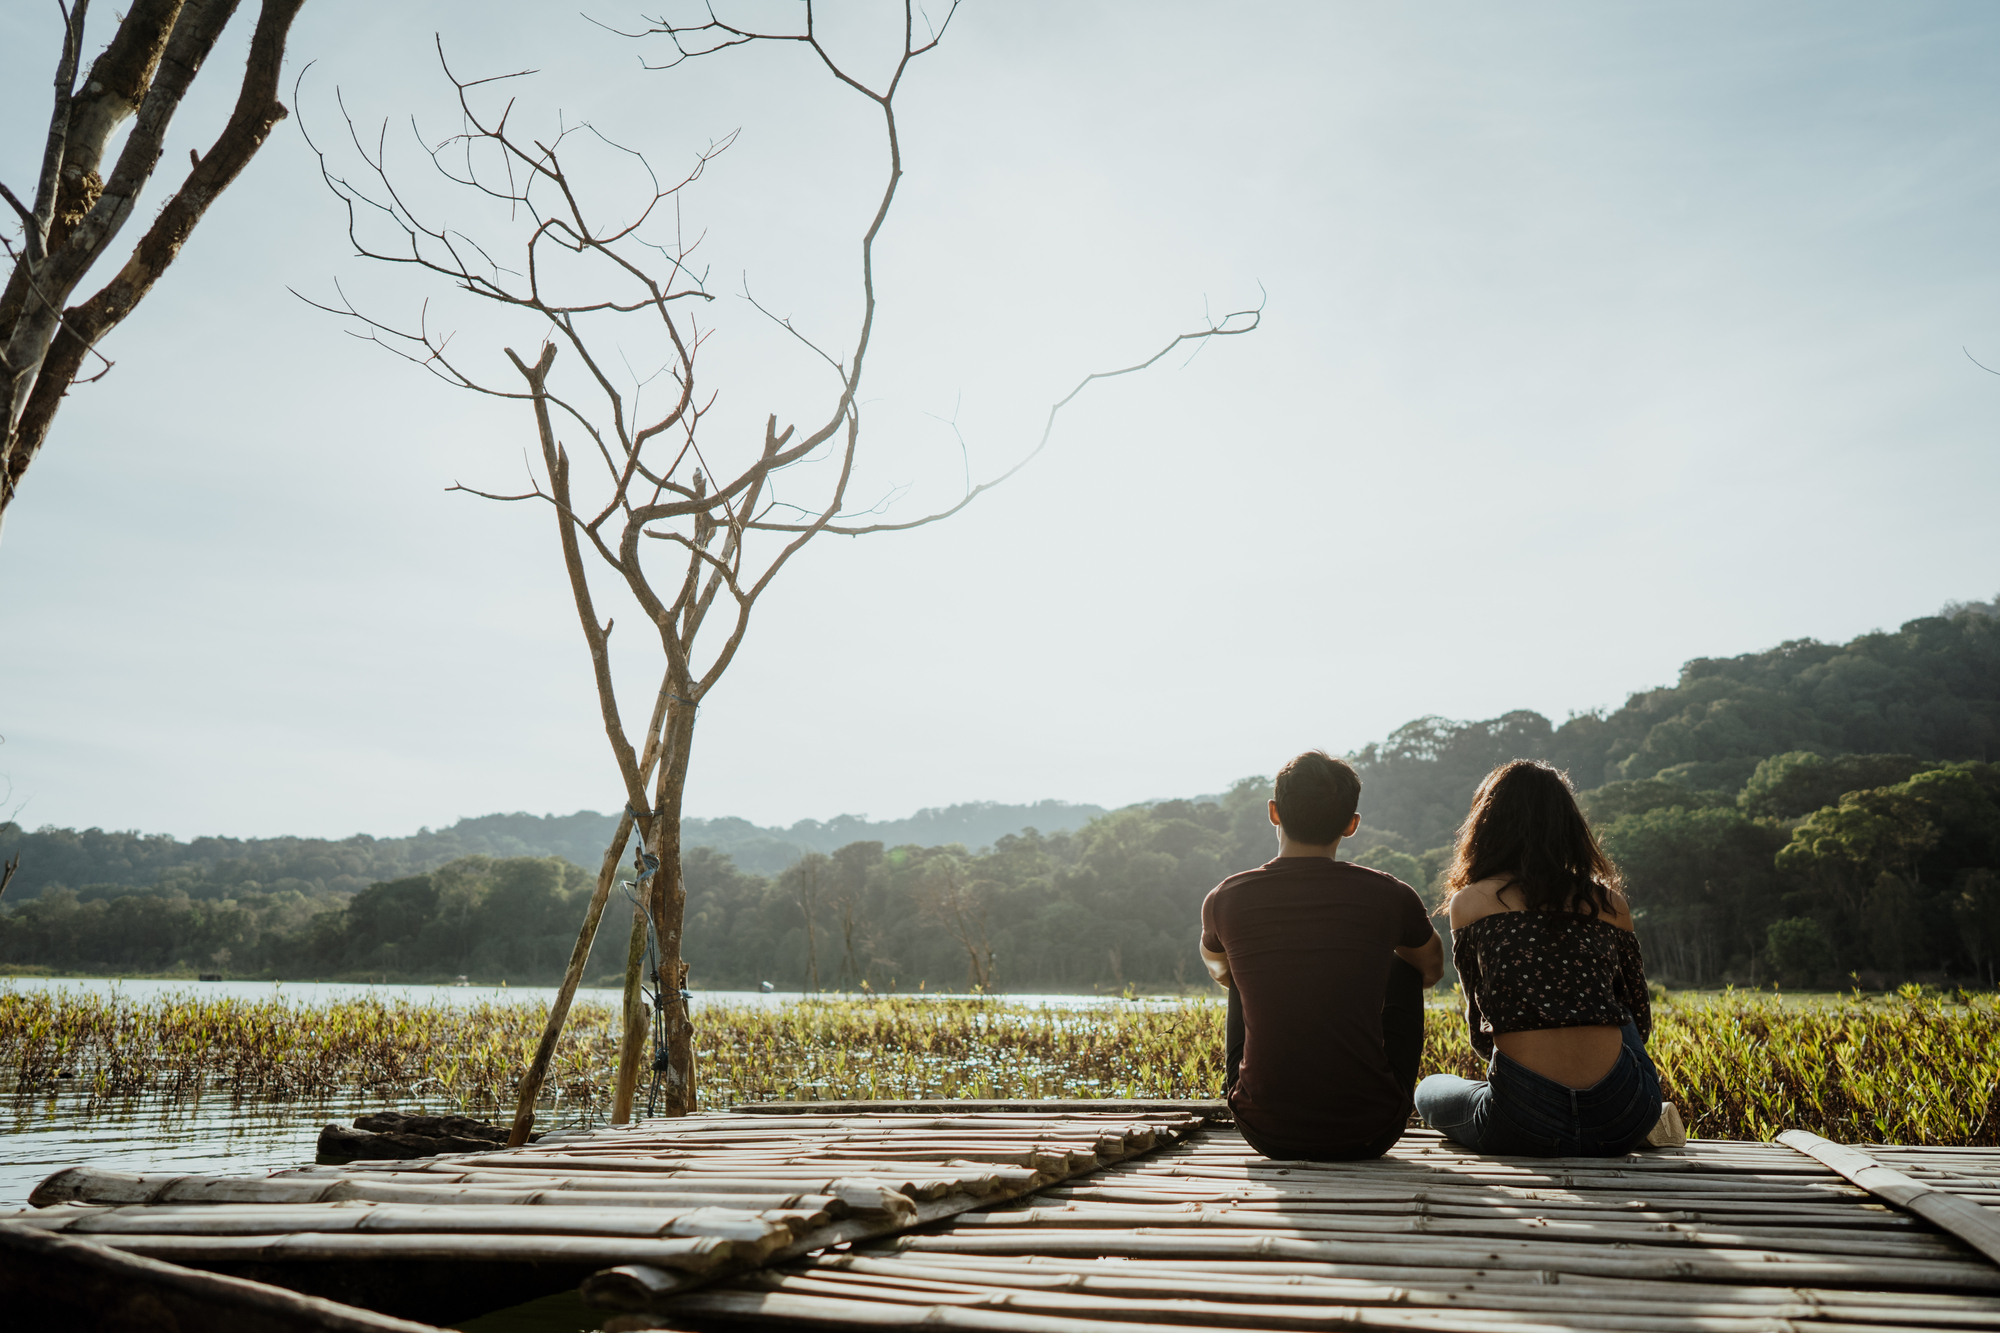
[1524, 827]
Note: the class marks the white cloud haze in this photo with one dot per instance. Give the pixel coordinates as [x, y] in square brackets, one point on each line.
[1597, 338]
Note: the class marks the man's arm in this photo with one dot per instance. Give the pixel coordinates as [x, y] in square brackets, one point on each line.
[1427, 958]
[1218, 966]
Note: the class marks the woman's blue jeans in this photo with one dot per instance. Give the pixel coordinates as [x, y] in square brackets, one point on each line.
[1519, 1113]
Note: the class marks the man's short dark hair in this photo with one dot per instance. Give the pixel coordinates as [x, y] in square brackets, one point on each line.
[1317, 795]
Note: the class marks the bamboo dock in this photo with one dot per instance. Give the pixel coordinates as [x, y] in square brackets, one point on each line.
[1084, 1218]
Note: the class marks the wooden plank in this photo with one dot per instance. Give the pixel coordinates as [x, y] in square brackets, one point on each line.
[1961, 1217]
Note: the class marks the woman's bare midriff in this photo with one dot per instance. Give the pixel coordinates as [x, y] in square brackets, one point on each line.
[1573, 1057]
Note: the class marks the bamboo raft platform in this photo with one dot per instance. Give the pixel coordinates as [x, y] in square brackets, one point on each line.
[668, 1203]
[1066, 1217]
[1718, 1237]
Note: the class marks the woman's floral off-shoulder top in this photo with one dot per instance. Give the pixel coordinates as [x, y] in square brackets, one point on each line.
[1521, 971]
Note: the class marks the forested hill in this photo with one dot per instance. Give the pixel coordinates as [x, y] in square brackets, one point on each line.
[101, 863]
[1930, 690]
[1813, 814]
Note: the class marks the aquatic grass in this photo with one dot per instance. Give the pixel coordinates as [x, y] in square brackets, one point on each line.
[907, 1047]
[1913, 1067]
[184, 1046]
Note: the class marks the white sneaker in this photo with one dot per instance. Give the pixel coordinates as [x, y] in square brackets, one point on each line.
[1668, 1131]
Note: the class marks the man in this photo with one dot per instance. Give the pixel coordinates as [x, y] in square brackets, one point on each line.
[1326, 962]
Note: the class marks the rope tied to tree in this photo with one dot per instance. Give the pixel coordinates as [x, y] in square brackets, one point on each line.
[659, 998]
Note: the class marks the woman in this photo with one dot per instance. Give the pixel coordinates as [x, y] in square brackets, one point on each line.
[1555, 989]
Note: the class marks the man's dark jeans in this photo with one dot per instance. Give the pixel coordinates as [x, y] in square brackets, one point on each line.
[1402, 1039]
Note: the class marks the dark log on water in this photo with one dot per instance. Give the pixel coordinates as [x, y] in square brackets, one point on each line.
[431, 1126]
[393, 1135]
[52, 1282]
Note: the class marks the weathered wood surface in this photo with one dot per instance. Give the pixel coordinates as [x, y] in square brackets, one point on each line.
[677, 1201]
[1718, 1237]
[49, 1281]
[1934, 1201]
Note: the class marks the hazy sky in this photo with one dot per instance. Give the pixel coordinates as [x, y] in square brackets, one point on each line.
[1597, 338]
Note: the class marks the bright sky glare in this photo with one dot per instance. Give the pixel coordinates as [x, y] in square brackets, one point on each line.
[1597, 338]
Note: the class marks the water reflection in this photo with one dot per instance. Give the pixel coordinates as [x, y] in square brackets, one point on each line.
[211, 1135]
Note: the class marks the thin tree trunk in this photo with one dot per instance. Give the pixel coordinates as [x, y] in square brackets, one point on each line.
[538, 1068]
[670, 907]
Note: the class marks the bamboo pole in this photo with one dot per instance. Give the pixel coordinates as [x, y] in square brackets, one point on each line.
[538, 1068]
[782, 1306]
[1586, 1260]
[267, 1219]
[1961, 1217]
[1257, 1310]
[632, 1040]
[1824, 1241]
[797, 1211]
[1363, 1200]
[1637, 1289]
[698, 1254]
[1146, 1278]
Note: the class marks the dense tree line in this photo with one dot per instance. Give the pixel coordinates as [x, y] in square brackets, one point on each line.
[495, 919]
[1809, 815]
[1883, 883]
[98, 863]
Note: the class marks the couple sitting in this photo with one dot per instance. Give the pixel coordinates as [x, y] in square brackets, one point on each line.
[1326, 964]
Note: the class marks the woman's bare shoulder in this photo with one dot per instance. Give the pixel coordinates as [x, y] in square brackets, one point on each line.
[1621, 911]
[1478, 900]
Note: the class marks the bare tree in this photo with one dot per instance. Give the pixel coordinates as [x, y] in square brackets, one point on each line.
[77, 213]
[948, 898]
[693, 540]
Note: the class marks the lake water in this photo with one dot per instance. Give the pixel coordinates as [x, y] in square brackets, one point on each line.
[41, 1133]
[326, 992]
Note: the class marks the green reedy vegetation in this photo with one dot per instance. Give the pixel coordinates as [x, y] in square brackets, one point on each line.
[1915, 1067]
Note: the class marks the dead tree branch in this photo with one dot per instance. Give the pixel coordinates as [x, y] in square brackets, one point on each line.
[143, 76]
[607, 287]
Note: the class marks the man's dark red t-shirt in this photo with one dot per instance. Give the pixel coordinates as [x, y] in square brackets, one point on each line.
[1308, 940]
